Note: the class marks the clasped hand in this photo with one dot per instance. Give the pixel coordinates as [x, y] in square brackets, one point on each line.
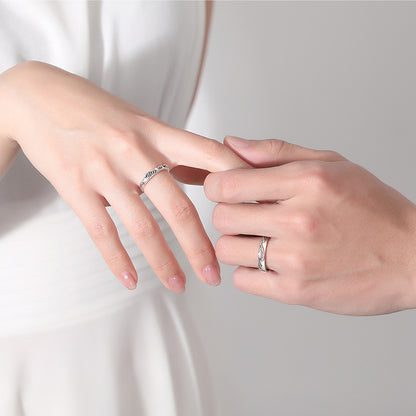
[341, 240]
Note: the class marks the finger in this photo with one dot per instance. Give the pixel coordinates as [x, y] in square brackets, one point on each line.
[148, 236]
[103, 233]
[292, 222]
[243, 251]
[249, 219]
[183, 218]
[274, 286]
[198, 151]
[274, 152]
[268, 184]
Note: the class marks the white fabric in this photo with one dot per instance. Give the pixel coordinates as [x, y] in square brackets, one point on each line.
[73, 340]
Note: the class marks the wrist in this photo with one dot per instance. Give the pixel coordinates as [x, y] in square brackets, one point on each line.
[13, 81]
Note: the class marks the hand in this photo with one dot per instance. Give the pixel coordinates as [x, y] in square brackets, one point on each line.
[341, 240]
[95, 148]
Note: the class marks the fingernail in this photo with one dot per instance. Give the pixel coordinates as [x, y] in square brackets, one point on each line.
[237, 141]
[128, 280]
[212, 274]
[177, 284]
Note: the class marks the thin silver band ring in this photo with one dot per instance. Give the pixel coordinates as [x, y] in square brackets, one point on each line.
[149, 175]
[262, 254]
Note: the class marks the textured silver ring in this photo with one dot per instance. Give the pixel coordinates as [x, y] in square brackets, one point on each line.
[149, 175]
[262, 254]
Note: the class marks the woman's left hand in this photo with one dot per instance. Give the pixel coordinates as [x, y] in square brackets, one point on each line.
[341, 240]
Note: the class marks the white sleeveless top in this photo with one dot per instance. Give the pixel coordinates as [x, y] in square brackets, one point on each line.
[148, 53]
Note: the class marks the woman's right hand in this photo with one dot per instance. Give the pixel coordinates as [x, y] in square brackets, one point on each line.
[95, 148]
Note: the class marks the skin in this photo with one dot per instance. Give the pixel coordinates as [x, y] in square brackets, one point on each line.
[94, 148]
[183, 173]
[341, 241]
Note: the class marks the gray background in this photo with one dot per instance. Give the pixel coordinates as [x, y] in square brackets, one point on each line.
[324, 75]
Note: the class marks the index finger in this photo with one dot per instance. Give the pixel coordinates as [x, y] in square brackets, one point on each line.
[200, 152]
[263, 184]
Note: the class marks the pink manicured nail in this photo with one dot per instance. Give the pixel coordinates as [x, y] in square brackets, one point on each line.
[212, 274]
[128, 280]
[177, 284]
[237, 141]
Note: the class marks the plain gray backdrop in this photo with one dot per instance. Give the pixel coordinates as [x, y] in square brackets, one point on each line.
[327, 75]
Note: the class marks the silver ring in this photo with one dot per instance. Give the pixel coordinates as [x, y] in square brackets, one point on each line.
[149, 175]
[262, 254]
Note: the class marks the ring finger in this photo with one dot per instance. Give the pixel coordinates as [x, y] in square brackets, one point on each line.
[243, 251]
[249, 218]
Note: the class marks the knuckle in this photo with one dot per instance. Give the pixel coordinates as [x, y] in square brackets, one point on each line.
[164, 268]
[115, 258]
[306, 224]
[200, 252]
[144, 228]
[100, 230]
[125, 141]
[72, 177]
[229, 186]
[333, 156]
[219, 219]
[146, 123]
[183, 210]
[320, 177]
[104, 179]
[70, 168]
[276, 146]
[213, 148]
[96, 163]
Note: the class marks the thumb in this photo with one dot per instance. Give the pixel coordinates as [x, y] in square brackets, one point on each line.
[274, 152]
